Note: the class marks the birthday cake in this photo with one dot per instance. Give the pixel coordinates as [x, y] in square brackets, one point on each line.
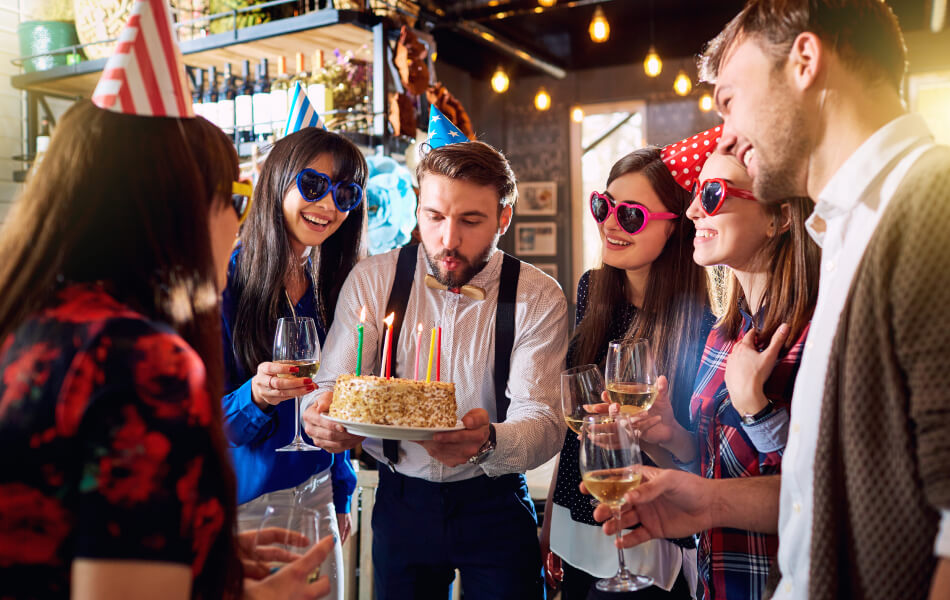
[400, 402]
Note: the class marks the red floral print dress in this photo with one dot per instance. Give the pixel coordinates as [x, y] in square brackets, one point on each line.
[105, 445]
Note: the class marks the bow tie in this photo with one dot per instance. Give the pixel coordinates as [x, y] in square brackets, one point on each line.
[472, 291]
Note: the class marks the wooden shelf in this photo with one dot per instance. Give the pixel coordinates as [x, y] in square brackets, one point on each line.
[325, 30]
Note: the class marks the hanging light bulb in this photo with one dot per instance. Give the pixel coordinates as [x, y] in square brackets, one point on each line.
[682, 85]
[499, 80]
[652, 65]
[547, 3]
[706, 102]
[599, 28]
[542, 100]
[577, 114]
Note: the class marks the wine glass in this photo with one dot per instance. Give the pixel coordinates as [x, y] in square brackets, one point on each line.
[610, 467]
[631, 375]
[282, 546]
[295, 343]
[580, 386]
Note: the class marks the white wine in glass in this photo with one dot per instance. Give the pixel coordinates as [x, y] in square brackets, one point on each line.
[631, 375]
[580, 386]
[610, 467]
[296, 343]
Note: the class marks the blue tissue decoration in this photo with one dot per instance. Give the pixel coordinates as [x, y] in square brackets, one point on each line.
[390, 204]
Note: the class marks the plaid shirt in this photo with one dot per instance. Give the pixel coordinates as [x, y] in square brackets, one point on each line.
[734, 563]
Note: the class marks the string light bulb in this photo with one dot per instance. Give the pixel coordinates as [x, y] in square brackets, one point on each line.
[682, 85]
[542, 100]
[652, 65]
[706, 102]
[599, 28]
[500, 81]
[577, 114]
[547, 3]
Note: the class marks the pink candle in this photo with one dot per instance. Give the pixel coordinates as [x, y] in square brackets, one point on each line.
[438, 353]
[418, 344]
[384, 370]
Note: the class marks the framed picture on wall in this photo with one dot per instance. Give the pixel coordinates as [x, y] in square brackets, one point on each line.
[536, 239]
[537, 198]
[549, 268]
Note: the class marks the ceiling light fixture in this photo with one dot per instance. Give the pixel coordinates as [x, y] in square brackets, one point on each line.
[499, 81]
[705, 102]
[599, 28]
[682, 84]
[542, 100]
[938, 15]
[547, 3]
[577, 114]
[652, 65]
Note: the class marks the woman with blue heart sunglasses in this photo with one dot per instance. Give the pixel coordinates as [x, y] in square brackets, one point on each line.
[302, 236]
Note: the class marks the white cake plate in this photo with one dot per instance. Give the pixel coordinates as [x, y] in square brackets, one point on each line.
[393, 432]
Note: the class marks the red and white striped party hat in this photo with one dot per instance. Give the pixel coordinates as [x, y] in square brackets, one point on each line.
[146, 75]
[685, 159]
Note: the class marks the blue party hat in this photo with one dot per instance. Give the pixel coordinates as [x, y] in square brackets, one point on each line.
[301, 112]
[443, 132]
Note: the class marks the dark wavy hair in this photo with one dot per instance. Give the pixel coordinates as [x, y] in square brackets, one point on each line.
[676, 293]
[125, 200]
[267, 258]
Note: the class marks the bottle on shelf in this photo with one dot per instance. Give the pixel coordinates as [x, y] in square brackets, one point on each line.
[244, 108]
[197, 94]
[263, 117]
[226, 94]
[42, 142]
[210, 99]
[278, 94]
[321, 97]
[300, 74]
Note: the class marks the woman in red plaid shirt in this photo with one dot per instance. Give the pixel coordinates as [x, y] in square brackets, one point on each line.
[740, 404]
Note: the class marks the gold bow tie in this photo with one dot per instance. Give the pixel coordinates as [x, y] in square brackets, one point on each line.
[472, 291]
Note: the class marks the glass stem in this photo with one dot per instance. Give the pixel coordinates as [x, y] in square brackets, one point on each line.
[297, 437]
[622, 571]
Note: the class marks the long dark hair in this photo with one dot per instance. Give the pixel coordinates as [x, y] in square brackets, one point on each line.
[676, 294]
[791, 260]
[267, 259]
[125, 200]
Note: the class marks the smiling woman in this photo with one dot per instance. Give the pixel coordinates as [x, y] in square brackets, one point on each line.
[301, 240]
[647, 287]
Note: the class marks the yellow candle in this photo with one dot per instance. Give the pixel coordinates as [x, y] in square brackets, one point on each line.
[431, 356]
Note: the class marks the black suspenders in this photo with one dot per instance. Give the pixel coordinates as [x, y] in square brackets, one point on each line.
[504, 325]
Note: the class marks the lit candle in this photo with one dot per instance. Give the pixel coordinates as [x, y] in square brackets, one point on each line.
[359, 342]
[431, 355]
[384, 370]
[418, 347]
[438, 353]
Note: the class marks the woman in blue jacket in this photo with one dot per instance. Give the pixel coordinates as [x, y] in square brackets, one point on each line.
[301, 239]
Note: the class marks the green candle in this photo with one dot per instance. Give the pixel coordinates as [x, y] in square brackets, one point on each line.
[359, 342]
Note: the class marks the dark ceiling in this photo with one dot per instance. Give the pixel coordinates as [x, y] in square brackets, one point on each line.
[559, 34]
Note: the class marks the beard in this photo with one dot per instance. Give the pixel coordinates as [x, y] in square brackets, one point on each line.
[469, 267]
[783, 172]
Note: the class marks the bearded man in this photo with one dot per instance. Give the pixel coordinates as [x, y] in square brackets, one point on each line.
[458, 501]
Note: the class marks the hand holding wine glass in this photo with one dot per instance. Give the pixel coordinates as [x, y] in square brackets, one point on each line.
[296, 345]
[610, 466]
[286, 547]
[630, 374]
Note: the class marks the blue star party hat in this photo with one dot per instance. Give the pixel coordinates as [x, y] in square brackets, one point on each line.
[301, 113]
[443, 132]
